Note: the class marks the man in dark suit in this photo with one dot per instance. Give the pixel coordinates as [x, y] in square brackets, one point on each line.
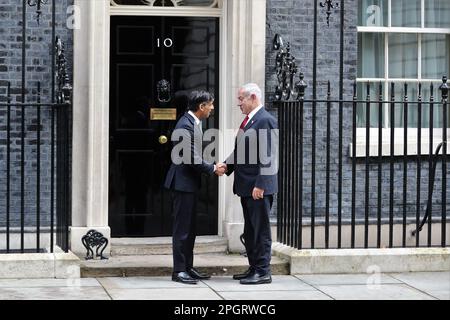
[183, 179]
[254, 162]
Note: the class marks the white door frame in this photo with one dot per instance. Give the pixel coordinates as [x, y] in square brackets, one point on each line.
[242, 59]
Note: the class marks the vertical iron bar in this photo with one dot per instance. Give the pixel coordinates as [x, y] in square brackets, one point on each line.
[430, 165]
[8, 167]
[52, 184]
[52, 181]
[285, 176]
[294, 165]
[391, 173]
[380, 162]
[300, 230]
[367, 177]
[38, 170]
[405, 162]
[281, 177]
[341, 116]
[419, 162]
[58, 178]
[66, 177]
[22, 149]
[313, 143]
[327, 187]
[355, 106]
[444, 171]
[297, 193]
[53, 49]
[290, 172]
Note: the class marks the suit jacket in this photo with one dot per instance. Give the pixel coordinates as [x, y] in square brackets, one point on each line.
[254, 159]
[185, 175]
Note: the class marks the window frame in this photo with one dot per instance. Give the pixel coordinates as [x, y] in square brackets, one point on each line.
[386, 81]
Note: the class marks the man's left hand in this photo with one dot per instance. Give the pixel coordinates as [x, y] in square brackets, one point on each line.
[257, 193]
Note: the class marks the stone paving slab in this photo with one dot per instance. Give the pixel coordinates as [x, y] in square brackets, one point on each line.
[279, 283]
[54, 293]
[195, 293]
[374, 292]
[426, 281]
[144, 283]
[346, 279]
[39, 283]
[440, 294]
[408, 286]
[275, 295]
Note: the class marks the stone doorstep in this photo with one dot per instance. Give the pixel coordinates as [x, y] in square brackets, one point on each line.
[163, 246]
[338, 261]
[39, 265]
[161, 265]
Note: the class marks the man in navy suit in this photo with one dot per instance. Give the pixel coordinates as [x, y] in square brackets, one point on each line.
[254, 162]
[183, 179]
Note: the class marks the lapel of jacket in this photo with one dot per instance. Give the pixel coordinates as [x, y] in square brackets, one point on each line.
[190, 118]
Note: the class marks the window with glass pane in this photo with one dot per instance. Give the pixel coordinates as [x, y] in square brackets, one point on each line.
[412, 53]
[405, 13]
[374, 107]
[437, 14]
[435, 55]
[371, 55]
[403, 55]
[373, 13]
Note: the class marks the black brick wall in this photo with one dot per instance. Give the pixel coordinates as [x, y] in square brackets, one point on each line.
[38, 68]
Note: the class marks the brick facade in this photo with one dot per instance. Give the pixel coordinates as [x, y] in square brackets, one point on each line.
[38, 68]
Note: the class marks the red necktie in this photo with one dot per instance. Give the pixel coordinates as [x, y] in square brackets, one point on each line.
[244, 123]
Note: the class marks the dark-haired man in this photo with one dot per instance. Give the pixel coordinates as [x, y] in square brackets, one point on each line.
[183, 179]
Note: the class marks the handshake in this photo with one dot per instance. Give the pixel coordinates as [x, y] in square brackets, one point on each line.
[221, 168]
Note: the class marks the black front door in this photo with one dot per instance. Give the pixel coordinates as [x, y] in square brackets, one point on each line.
[145, 51]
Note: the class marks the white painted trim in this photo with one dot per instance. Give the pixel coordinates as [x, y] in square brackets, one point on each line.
[242, 59]
[223, 102]
[398, 142]
[401, 30]
[402, 80]
[162, 11]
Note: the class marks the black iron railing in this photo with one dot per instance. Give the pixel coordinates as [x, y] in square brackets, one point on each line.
[35, 151]
[377, 185]
[333, 192]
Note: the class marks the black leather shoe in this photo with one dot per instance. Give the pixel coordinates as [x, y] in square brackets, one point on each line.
[257, 278]
[194, 273]
[244, 275]
[183, 277]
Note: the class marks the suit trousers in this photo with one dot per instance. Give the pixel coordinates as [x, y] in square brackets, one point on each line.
[184, 230]
[257, 234]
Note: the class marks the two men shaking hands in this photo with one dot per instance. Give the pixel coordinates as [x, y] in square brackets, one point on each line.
[254, 163]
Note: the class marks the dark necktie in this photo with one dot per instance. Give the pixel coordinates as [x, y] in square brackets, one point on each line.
[244, 123]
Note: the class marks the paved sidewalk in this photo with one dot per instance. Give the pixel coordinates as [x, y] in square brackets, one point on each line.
[404, 286]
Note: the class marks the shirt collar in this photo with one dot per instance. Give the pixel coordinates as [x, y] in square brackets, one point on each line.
[197, 120]
[252, 114]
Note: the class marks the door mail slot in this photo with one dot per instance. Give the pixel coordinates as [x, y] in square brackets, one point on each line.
[168, 114]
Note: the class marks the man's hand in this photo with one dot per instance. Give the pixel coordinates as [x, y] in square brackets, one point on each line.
[257, 193]
[221, 168]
